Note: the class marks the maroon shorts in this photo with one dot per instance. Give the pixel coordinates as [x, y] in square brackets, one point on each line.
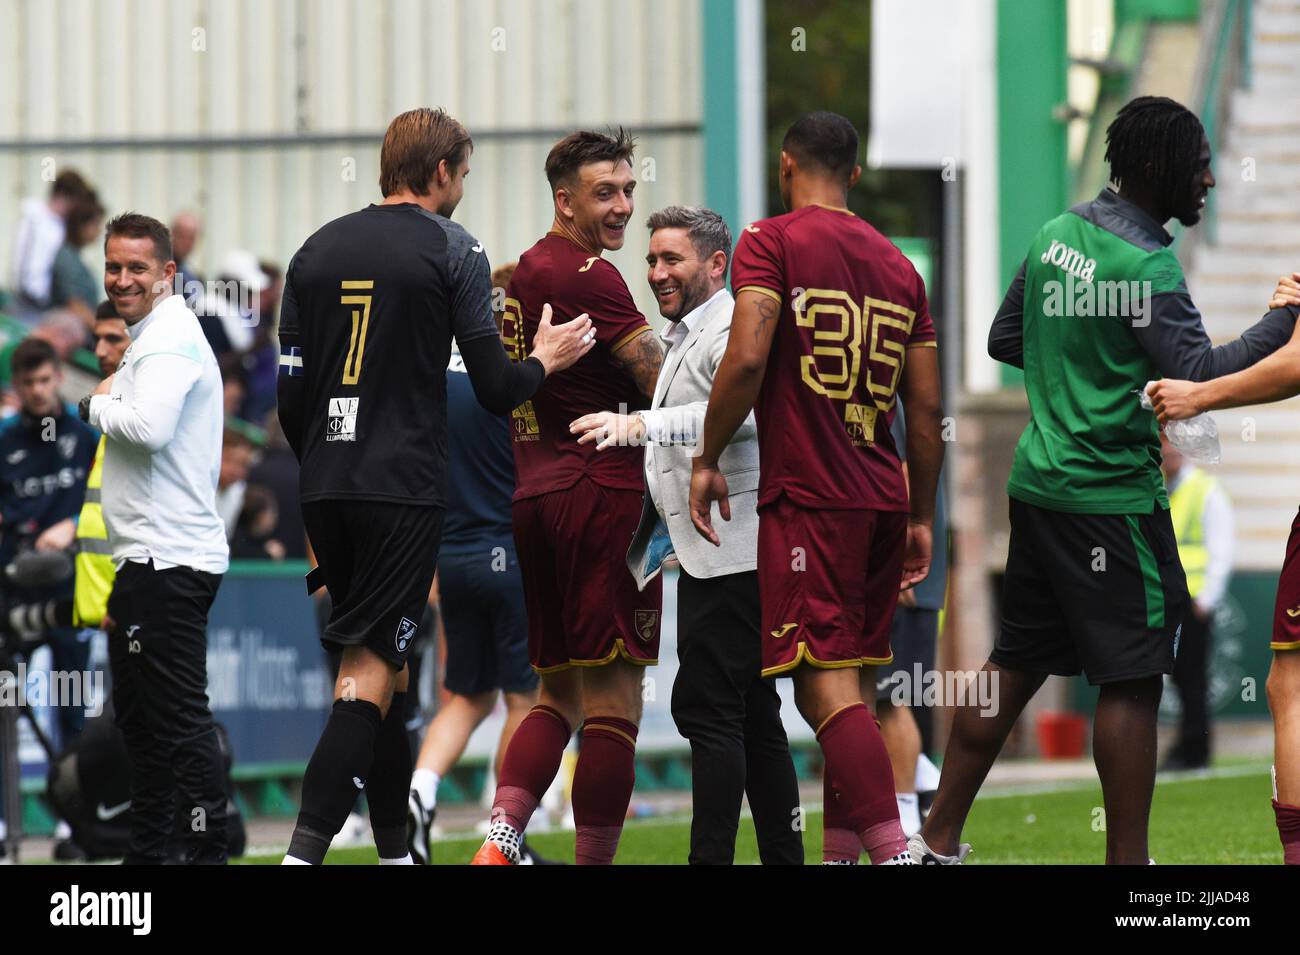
[1286, 610]
[829, 585]
[583, 605]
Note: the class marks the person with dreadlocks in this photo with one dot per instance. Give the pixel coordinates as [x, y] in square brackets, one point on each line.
[1093, 581]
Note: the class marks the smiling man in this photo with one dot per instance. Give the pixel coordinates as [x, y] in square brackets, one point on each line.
[721, 703]
[591, 632]
[1093, 581]
[161, 417]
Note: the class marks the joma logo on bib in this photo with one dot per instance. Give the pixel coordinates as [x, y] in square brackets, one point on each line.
[1069, 260]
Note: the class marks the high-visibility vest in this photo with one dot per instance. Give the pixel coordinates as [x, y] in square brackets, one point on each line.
[1187, 510]
[94, 561]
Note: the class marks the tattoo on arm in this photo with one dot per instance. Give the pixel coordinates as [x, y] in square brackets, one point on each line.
[641, 358]
[769, 311]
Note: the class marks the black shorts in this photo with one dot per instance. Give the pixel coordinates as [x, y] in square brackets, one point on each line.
[913, 637]
[481, 595]
[378, 560]
[1101, 593]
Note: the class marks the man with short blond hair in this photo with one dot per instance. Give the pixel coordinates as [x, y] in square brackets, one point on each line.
[371, 304]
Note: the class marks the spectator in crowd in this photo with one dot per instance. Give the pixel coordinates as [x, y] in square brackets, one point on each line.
[277, 471]
[41, 231]
[262, 362]
[185, 235]
[228, 308]
[1203, 527]
[238, 451]
[62, 330]
[254, 534]
[72, 285]
[234, 385]
[45, 458]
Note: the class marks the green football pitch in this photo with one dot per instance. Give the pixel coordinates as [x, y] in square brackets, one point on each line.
[1220, 818]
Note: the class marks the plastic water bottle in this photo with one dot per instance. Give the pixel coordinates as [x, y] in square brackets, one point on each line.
[1197, 437]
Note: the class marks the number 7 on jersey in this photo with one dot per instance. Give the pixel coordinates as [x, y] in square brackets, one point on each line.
[360, 321]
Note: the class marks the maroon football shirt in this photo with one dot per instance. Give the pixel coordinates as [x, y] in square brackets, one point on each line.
[851, 306]
[572, 280]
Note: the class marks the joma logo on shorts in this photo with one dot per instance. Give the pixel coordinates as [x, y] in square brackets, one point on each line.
[1069, 260]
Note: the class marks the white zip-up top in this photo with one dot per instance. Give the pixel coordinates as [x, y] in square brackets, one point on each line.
[163, 423]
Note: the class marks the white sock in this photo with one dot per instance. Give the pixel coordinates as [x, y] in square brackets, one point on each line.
[404, 860]
[909, 814]
[507, 839]
[292, 860]
[927, 775]
[425, 784]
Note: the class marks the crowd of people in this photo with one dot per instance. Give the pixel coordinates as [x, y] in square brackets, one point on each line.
[55, 295]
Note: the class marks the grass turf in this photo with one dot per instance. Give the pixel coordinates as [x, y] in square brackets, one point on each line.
[1223, 819]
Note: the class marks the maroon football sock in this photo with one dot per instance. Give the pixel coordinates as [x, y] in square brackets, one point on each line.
[857, 761]
[1288, 827]
[532, 760]
[839, 842]
[602, 787]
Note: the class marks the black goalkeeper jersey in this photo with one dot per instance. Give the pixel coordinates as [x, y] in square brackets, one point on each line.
[371, 303]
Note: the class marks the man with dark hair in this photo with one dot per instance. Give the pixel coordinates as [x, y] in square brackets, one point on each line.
[95, 570]
[591, 632]
[160, 414]
[1093, 583]
[721, 703]
[371, 304]
[131, 297]
[823, 141]
[831, 326]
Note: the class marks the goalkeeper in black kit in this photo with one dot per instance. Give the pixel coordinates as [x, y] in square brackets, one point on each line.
[371, 304]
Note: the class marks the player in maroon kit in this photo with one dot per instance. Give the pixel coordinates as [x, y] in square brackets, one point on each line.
[830, 323]
[591, 633]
